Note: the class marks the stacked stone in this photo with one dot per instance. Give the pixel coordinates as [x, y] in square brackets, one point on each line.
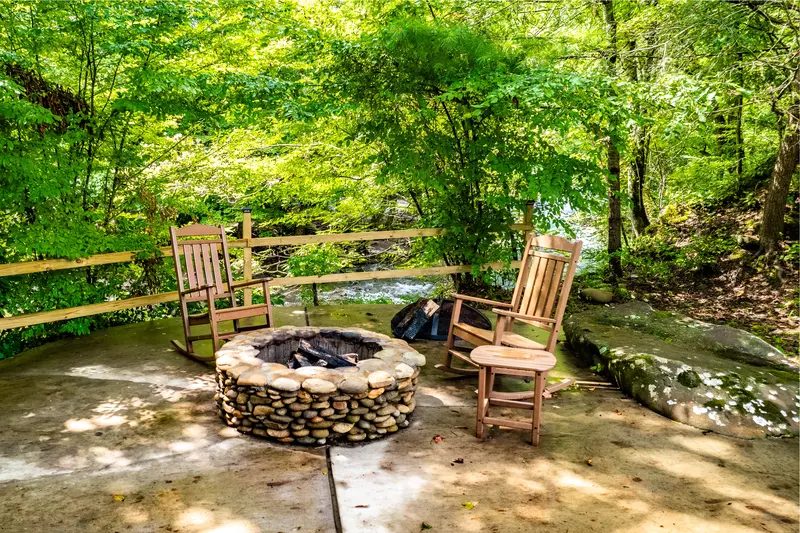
[314, 405]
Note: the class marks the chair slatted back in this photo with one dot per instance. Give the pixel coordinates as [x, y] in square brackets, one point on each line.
[545, 279]
[202, 264]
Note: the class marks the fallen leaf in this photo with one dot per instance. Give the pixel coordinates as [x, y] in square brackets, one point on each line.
[637, 479]
[425, 526]
[437, 439]
[119, 497]
[468, 505]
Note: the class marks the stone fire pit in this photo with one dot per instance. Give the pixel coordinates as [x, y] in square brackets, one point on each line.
[258, 394]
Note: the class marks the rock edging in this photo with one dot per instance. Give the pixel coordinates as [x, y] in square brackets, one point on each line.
[315, 405]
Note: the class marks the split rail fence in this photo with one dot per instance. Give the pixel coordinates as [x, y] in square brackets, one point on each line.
[247, 242]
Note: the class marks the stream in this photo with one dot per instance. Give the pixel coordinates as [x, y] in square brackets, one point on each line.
[406, 290]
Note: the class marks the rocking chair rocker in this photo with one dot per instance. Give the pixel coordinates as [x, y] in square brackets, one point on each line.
[205, 284]
[539, 299]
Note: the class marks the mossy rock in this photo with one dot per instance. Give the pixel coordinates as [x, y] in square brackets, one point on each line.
[711, 377]
[601, 296]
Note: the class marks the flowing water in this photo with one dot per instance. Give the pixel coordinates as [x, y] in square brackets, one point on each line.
[405, 290]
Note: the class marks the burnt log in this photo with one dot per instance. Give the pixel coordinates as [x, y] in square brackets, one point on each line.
[352, 357]
[302, 360]
[317, 354]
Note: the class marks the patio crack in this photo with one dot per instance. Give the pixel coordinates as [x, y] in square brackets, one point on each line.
[337, 519]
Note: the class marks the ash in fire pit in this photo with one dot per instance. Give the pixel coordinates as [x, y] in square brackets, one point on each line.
[348, 384]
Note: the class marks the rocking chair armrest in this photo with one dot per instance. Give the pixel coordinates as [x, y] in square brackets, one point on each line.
[533, 318]
[457, 296]
[196, 289]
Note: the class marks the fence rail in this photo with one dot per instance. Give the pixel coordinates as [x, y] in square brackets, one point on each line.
[247, 243]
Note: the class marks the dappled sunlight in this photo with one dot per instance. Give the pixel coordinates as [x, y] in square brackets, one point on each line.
[187, 446]
[202, 382]
[195, 431]
[90, 371]
[113, 413]
[172, 394]
[135, 516]
[194, 516]
[104, 421]
[234, 526]
[114, 406]
[229, 433]
[536, 513]
[73, 462]
[434, 397]
[516, 479]
[647, 474]
[703, 445]
[78, 425]
[574, 481]
[108, 457]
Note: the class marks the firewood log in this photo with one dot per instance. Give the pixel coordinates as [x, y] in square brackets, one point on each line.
[302, 360]
[419, 316]
[333, 360]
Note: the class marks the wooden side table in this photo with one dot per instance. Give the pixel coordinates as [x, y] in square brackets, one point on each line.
[494, 360]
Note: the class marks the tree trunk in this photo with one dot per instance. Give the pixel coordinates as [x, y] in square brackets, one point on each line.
[641, 145]
[614, 207]
[785, 165]
[738, 103]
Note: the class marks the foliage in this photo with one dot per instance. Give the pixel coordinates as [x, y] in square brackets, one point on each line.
[315, 260]
[470, 132]
[661, 256]
[119, 119]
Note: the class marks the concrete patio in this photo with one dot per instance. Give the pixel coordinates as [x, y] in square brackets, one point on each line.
[115, 432]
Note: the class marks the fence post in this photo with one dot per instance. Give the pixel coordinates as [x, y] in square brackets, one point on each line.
[527, 219]
[247, 230]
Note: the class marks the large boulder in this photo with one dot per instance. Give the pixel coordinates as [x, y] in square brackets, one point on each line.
[711, 377]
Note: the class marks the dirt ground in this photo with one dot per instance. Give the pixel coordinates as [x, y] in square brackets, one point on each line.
[116, 432]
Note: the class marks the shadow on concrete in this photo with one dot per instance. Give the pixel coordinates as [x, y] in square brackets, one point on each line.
[118, 413]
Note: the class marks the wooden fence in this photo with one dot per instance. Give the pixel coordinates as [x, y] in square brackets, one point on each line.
[247, 243]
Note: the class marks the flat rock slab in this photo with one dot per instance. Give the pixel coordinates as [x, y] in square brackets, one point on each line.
[712, 377]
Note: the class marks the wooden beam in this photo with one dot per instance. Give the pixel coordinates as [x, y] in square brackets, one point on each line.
[33, 319]
[381, 274]
[31, 267]
[247, 229]
[346, 237]
[48, 265]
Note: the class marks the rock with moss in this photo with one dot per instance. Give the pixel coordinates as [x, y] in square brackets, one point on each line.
[601, 296]
[712, 377]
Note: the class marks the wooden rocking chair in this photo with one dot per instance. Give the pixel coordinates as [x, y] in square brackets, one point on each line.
[539, 299]
[206, 284]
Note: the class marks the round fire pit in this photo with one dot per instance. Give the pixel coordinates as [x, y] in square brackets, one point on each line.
[258, 393]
